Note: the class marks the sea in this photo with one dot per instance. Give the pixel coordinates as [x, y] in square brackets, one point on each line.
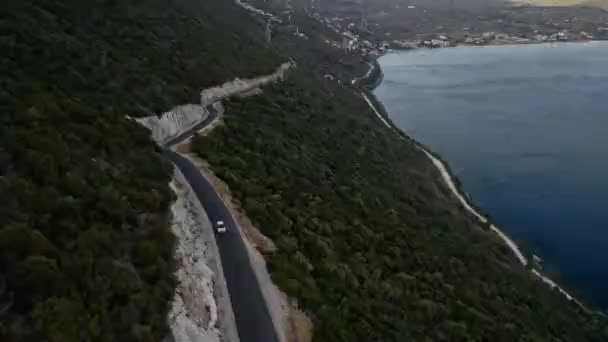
[525, 129]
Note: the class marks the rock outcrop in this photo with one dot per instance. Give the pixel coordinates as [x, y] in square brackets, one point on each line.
[239, 86]
[174, 122]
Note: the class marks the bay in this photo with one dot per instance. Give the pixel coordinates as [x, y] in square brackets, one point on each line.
[525, 129]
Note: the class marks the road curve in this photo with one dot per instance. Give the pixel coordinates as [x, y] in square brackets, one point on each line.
[253, 320]
[187, 134]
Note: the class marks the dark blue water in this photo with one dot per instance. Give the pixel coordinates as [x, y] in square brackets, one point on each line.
[525, 128]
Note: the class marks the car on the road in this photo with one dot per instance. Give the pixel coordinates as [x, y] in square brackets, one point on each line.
[220, 227]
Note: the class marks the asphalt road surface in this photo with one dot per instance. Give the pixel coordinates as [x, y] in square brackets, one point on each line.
[253, 320]
[178, 139]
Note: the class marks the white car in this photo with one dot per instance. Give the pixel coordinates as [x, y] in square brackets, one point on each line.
[220, 227]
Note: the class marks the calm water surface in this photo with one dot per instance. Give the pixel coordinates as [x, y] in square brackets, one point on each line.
[525, 128]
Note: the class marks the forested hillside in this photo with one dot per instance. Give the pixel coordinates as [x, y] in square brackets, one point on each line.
[85, 251]
[368, 241]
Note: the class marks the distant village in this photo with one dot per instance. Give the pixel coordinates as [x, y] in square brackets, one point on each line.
[492, 38]
[353, 43]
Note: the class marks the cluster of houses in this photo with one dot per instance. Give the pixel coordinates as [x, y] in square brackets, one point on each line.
[352, 43]
[490, 38]
[440, 42]
[503, 38]
[562, 36]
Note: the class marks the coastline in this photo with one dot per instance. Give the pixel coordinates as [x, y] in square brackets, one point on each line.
[495, 44]
[365, 85]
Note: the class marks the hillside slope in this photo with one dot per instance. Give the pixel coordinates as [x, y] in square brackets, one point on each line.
[370, 243]
[85, 249]
[368, 239]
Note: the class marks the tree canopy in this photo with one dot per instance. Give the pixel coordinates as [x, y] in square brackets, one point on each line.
[85, 247]
[369, 241]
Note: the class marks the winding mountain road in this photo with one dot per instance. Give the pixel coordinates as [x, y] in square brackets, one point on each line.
[213, 114]
[253, 320]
